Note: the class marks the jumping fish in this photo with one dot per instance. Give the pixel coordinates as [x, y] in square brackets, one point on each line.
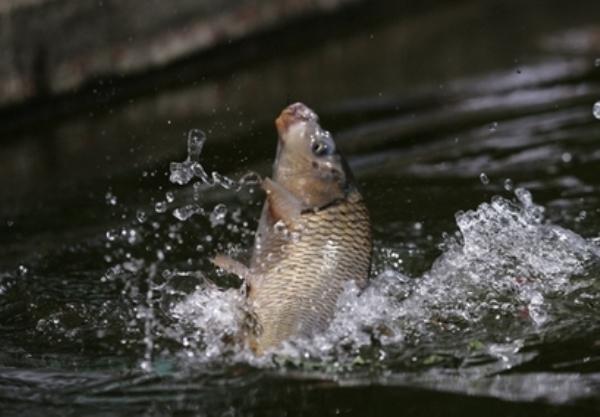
[313, 236]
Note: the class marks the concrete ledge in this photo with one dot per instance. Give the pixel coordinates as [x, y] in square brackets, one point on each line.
[50, 47]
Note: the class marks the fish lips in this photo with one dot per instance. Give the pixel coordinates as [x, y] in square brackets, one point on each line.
[294, 113]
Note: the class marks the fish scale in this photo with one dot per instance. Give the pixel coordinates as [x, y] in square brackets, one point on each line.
[298, 291]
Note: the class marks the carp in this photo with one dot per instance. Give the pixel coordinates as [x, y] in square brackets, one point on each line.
[313, 236]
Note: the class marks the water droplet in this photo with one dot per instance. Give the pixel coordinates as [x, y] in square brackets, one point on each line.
[250, 178]
[196, 139]
[111, 199]
[181, 172]
[160, 207]
[596, 110]
[141, 216]
[217, 216]
[223, 181]
[524, 196]
[132, 236]
[484, 178]
[508, 184]
[280, 227]
[185, 212]
[111, 235]
[581, 216]
[146, 366]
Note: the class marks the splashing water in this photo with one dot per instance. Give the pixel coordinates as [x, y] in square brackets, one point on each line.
[183, 172]
[498, 276]
[166, 282]
[216, 317]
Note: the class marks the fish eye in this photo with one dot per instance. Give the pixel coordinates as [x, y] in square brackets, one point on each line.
[320, 148]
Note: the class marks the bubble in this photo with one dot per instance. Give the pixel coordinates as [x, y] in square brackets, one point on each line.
[596, 110]
[484, 178]
[597, 62]
[169, 196]
[566, 157]
[508, 184]
[493, 127]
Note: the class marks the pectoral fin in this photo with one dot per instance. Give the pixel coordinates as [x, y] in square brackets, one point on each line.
[231, 265]
[283, 205]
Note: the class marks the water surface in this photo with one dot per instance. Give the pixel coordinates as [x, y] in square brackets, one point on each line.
[480, 168]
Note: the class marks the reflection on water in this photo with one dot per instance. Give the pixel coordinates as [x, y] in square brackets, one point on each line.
[481, 174]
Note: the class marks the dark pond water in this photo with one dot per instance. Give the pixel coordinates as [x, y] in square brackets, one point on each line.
[471, 132]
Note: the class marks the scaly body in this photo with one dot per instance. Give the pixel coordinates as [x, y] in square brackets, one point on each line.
[313, 236]
[298, 285]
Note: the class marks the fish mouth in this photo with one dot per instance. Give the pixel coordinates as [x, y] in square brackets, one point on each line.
[294, 113]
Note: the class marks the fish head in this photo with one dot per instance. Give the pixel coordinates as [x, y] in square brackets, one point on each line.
[308, 163]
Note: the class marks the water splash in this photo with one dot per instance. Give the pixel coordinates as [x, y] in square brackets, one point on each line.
[216, 316]
[484, 178]
[182, 173]
[151, 259]
[498, 276]
[495, 283]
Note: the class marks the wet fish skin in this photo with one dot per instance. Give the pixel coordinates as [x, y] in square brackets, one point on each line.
[313, 236]
[297, 295]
